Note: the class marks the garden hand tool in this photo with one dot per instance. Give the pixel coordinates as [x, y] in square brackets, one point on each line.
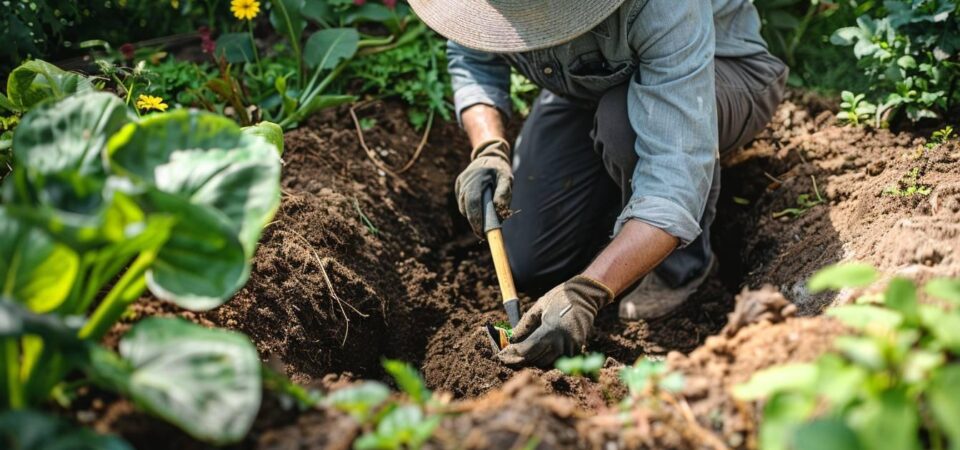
[501, 264]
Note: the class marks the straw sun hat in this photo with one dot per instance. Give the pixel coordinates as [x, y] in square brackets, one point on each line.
[512, 26]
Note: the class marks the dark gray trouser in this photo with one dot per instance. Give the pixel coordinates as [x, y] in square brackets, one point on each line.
[572, 169]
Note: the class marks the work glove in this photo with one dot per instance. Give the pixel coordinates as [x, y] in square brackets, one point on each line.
[490, 167]
[558, 324]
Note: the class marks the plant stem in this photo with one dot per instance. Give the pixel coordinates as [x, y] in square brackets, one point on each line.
[294, 41]
[125, 292]
[256, 53]
[11, 373]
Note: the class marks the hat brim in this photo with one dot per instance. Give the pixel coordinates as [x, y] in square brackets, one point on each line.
[513, 26]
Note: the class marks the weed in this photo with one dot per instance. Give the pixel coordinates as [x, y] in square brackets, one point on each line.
[804, 203]
[908, 186]
[940, 137]
[891, 384]
[588, 365]
[366, 220]
[854, 109]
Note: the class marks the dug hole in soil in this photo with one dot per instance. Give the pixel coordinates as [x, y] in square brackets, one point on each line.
[362, 264]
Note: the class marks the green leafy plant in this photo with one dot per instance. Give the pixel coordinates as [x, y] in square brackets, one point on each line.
[908, 49]
[581, 365]
[940, 137]
[908, 186]
[102, 206]
[804, 203]
[854, 109]
[392, 424]
[648, 375]
[29, 429]
[895, 383]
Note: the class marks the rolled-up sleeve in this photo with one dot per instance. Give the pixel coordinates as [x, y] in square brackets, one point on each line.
[478, 78]
[671, 104]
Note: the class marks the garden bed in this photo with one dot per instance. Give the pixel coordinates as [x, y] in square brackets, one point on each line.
[360, 264]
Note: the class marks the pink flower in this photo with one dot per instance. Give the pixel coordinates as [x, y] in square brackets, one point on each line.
[390, 3]
[127, 51]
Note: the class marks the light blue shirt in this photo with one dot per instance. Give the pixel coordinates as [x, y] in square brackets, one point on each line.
[665, 49]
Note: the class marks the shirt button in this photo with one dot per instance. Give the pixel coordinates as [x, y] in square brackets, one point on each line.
[548, 71]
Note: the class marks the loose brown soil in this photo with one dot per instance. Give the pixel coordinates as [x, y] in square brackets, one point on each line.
[361, 265]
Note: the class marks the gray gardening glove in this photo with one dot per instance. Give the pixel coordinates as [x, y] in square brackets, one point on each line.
[490, 166]
[558, 324]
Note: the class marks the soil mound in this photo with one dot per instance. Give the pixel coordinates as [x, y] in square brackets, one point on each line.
[361, 264]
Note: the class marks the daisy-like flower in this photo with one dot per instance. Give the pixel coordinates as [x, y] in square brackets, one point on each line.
[245, 9]
[150, 102]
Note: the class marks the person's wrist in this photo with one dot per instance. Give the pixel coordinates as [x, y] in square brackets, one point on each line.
[594, 289]
[497, 147]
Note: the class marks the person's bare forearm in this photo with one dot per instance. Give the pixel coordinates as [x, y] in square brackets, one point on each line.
[482, 123]
[637, 249]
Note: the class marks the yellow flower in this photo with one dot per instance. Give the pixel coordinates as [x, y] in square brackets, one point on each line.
[149, 102]
[245, 9]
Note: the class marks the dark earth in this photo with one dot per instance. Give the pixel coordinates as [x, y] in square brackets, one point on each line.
[362, 263]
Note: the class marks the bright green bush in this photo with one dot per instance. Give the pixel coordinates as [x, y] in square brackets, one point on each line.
[910, 50]
[893, 384]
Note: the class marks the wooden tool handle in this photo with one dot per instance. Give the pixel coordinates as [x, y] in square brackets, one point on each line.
[501, 264]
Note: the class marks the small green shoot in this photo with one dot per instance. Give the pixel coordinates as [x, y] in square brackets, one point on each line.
[408, 379]
[647, 374]
[403, 427]
[366, 220]
[908, 186]
[804, 203]
[588, 365]
[360, 401]
[854, 109]
[741, 201]
[505, 326]
[940, 137]
[367, 123]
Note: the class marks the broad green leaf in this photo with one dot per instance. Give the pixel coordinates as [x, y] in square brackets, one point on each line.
[920, 363]
[403, 427]
[58, 148]
[901, 295]
[593, 362]
[408, 379]
[864, 317]
[36, 81]
[837, 379]
[945, 289]
[842, 275]
[235, 47]
[203, 263]
[825, 434]
[359, 400]
[317, 10]
[206, 381]
[33, 430]
[888, 422]
[326, 48]
[944, 325]
[847, 36]
[35, 270]
[207, 160]
[16, 320]
[782, 414]
[788, 377]
[318, 103]
[864, 351]
[944, 398]
[269, 131]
